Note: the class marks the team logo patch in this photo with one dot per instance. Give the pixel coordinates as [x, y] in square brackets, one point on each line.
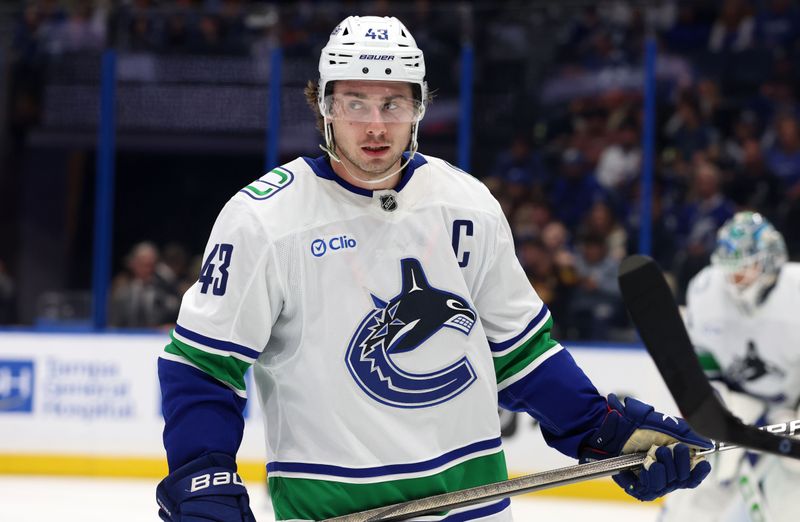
[400, 325]
[748, 370]
[269, 184]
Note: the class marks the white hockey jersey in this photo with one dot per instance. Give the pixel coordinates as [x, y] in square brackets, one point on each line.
[381, 326]
[759, 353]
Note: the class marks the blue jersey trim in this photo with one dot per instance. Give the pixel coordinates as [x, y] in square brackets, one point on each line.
[322, 168]
[216, 343]
[379, 471]
[475, 514]
[499, 347]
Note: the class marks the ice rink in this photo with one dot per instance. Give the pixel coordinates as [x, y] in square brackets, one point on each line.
[68, 499]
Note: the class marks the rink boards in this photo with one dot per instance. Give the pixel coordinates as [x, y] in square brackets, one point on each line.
[89, 404]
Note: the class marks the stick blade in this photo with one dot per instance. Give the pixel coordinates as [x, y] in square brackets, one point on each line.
[649, 301]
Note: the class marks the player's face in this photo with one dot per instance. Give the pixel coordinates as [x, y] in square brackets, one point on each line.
[745, 276]
[371, 124]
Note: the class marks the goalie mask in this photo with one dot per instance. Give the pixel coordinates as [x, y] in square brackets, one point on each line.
[751, 253]
[378, 49]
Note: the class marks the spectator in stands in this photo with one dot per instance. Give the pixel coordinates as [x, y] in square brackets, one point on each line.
[690, 32]
[7, 296]
[178, 30]
[778, 24]
[596, 304]
[662, 229]
[141, 298]
[144, 29]
[601, 222]
[734, 28]
[620, 162]
[83, 30]
[745, 128]
[520, 167]
[530, 217]
[783, 160]
[538, 264]
[590, 136]
[753, 186]
[687, 130]
[556, 240]
[575, 190]
[784, 157]
[698, 221]
[174, 268]
[710, 104]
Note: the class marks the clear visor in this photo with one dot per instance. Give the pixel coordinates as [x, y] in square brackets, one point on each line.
[365, 109]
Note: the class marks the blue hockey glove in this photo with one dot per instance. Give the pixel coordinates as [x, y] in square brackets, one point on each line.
[636, 426]
[207, 489]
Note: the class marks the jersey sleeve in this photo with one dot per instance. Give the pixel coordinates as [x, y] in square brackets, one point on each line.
[535, 374]
[224, 323]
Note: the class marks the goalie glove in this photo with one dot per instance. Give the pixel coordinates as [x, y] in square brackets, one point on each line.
[207, 489]
[636, 426]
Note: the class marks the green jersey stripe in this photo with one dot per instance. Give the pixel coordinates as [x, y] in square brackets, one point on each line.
[224, 368]
[708, 362]
[311, 499]
[508, 365]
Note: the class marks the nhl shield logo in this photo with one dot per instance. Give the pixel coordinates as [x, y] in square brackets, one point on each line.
[388, 203]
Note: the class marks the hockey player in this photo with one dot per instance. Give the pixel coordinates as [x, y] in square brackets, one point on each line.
[741, 314]
[376, 293]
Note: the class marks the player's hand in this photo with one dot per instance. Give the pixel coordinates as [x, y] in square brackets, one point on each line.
[207, 489]
[636, 426]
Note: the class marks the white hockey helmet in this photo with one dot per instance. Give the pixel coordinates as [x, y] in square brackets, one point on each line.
[372, 48]
[751, 252]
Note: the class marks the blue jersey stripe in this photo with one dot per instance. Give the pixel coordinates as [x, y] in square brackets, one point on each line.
[481, 512]
[216, 343]
[379, 471]
[499, 347]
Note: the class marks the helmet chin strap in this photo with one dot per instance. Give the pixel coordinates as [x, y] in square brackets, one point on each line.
[330, 149]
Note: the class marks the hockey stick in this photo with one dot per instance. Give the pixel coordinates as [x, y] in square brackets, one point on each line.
[525, 484]
[655, 314]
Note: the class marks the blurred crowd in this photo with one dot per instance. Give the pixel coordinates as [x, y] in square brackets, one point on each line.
[727, 133]
[726, 139]
[148, 291]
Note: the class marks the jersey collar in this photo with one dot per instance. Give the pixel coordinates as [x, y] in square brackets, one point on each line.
[322, 168]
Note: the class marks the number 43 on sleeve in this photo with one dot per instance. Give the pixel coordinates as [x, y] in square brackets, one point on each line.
[214, 272]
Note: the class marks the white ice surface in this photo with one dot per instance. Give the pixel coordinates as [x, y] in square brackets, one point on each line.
[67, 499]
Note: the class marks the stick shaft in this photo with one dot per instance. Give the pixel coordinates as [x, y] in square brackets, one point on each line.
[498, 490]
[525, 484]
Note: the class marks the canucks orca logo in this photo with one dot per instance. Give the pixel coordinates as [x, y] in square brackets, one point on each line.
[403, 324]
[745, 371]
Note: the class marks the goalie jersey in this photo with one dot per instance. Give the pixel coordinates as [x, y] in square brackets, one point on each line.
[383, 328]
[753, 353]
